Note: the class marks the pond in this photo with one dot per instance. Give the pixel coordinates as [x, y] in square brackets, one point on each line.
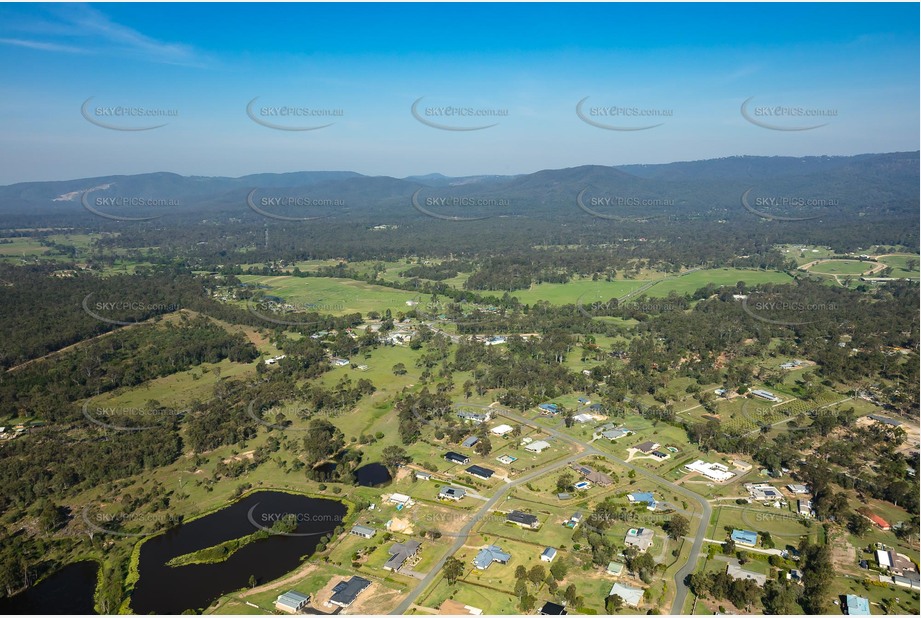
[67, 591]
[163, 589]
[372, 475]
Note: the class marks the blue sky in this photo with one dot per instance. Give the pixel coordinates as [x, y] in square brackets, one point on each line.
[691, 65]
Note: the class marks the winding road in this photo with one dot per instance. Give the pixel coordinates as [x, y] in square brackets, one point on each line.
[584, 448]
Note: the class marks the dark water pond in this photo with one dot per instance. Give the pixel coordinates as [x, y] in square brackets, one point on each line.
[372, 475]
[163, 589]
[67, 591]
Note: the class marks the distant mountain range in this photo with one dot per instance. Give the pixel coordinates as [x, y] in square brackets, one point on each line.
[881, 184]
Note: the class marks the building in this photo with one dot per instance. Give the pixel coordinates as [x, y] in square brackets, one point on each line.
[736, 572]
[548, 554]
[660, 455]
[469, 442]
[884, 420]
[346, 591]
[598, 478]
[456, 457]
[537, 447]
[574, 521]
[798, 489]
[506, 459]
[615, 568]
[401, 500]
[497, 340]
[744, 466]
[747, 538]
[340, 362]
[583, 418]
[647, 497]
[713, 471]
[488, 555]
[423, 476]
[641, 538]
[501, 430]
[452, 493]
[525, 520]
[272, 361]
[615, 434]
[363, 531]
[762, 491]
[552, 609]
[291, 602]
[804, 508]
[400, 553]
[631, 595]
[884, 558]
[474, 417]
[878, 521]
[481, 472]
[763, 394]
[647, 447]
[450, 607]
[856, 606]
[549, 408]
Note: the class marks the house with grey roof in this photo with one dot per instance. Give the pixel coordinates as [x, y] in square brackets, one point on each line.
[488, 555]
[363, 531]
[291, 602]
[400, 553]
[346, 591]
[452, 493]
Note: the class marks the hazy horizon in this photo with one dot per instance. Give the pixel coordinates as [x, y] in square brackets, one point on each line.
[695, 82]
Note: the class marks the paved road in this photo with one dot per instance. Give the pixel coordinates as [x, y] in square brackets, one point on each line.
[681, 589]
[464, 532]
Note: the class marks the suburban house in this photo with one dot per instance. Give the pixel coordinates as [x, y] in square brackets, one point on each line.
[291, 602]
[474, 417]
[548, 554]
[423, 476]
[469, 442]
[583, 418]
[878, 521]
[639, 497]
[744, 466]
[762, 491]
[346, 591]
[713, 471]
[614, 434]
[525, 520]
[647, 447]
[452, 493]
[549, 408]
[363, 531]
[501, 430]
[456, 457]
[641, 538]
[763, 394]
[340, 362]
[574, 521]
[856, 606]
[736, 572]
[615, 568]
[552, 609]
[488, 555]
[744, 537]
[804, 508]
[537, 447]
[798, 489]
[481, 472]
[598, 478]
[401, 499]
[400, 553]
[631, 595]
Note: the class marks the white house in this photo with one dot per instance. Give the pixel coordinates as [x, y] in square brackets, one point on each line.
[537, 447]
[501, 430]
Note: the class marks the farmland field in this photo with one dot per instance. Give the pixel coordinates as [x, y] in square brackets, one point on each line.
[841, 267]
[333, 296]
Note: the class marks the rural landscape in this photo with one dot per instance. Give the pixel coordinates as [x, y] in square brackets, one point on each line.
[688, 387]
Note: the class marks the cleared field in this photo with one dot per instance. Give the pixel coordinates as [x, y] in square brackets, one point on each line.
[690, 283]
[841, 267]
[585, 289]
[333, 296]
[28, 247]
[902, 265]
